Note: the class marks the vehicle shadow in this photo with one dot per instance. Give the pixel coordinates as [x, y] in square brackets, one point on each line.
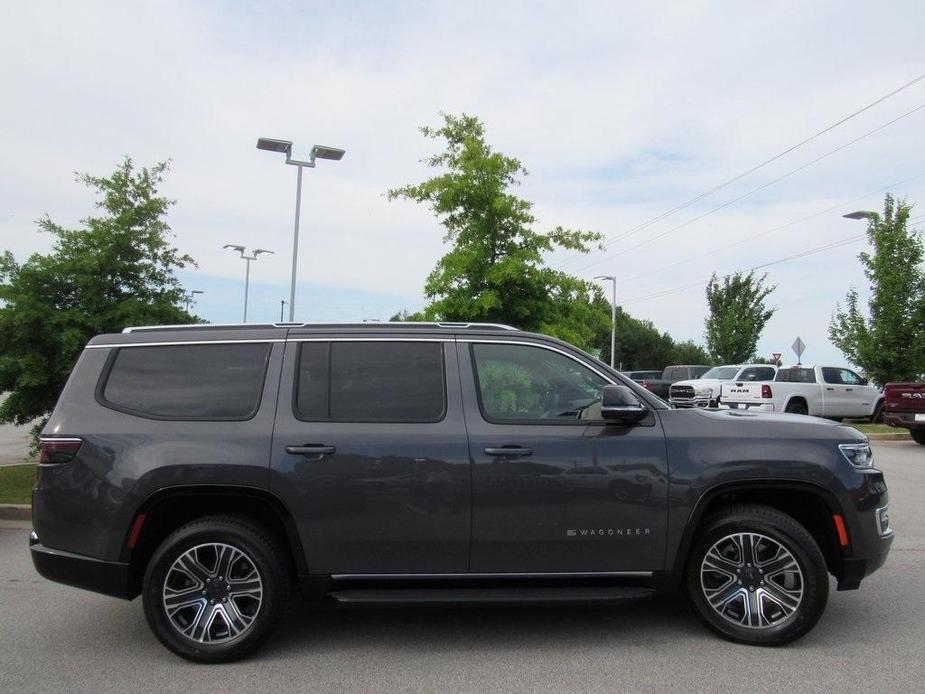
[460, 628]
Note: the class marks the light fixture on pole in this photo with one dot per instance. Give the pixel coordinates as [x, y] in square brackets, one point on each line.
[317, 152]
[188, 298]
[247, 272]
[613, 315]
[861, 214]
[282, 306]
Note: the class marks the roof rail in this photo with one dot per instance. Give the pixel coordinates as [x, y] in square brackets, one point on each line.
[390, 324]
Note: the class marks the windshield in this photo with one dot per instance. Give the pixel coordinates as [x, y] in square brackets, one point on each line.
[723, 373]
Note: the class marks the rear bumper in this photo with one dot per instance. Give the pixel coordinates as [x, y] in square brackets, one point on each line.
[107, 577]
[902, 419]
[760, 407]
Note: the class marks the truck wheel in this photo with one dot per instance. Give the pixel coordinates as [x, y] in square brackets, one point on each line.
[797, 407]
[215, 589]
[877, 417]
[756, 576]
[918, 435]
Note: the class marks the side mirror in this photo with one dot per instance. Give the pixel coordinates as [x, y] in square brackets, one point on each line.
[619, 404]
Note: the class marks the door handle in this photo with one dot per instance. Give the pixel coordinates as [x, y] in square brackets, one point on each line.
[830, 389]
[849, 390]
[311, 449]
[509, 450]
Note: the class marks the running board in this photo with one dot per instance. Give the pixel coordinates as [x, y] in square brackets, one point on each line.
[581, 594]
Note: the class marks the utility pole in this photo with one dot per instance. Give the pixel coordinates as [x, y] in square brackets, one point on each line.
[613, 315]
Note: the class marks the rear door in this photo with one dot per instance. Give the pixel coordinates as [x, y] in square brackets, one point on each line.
[370, 454]
[555, 488]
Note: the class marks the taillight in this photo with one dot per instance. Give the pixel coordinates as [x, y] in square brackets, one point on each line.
[765, 390]
[58, 450]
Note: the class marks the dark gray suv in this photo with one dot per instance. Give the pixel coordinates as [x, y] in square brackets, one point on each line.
[214, 469]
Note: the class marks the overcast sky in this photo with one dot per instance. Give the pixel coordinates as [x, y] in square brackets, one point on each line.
[620, 111]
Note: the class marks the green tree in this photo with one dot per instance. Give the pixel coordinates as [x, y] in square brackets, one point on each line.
[689, 352]
[495, 270]
[889, 344]
[117, 269]
[737, 316]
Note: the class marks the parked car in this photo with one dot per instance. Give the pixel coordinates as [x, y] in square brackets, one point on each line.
[825, 391]
[437, 463]
[706, 390]
[642, 377]
[673, 374]
[904, 406]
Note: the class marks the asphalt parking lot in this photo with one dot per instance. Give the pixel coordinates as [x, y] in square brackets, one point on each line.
[59, 639]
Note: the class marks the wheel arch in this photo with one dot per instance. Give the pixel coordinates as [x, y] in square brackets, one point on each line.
[796, 398]
[809, 504]
[172, 507]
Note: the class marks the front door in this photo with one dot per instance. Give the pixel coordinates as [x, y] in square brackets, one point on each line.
[370, 454]
[555, 488]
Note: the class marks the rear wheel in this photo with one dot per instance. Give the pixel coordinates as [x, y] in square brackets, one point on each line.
[918, 435]
[215, 589]
[877, 416]
[756, 576]
[797, 407]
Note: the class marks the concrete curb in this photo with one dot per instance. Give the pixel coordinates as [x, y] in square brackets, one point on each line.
[898, 436]
[15, 512]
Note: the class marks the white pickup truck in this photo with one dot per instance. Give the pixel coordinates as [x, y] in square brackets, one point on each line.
[705, 391]
[823, 391]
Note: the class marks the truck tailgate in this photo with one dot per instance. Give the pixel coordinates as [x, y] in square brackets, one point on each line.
[742, 393]
[904, 397]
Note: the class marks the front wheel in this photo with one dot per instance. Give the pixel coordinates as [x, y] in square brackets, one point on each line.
[756, 576]
[215, 589]
[918, 435]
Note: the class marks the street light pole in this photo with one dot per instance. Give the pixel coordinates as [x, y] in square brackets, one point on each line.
[282, 305]
[317, 152]
[613, 315]
[188, 298]
[247, 268]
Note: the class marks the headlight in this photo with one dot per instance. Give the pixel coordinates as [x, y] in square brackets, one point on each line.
[858, 454]
[704, 392]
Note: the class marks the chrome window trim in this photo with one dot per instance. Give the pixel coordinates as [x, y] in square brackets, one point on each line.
[174, 343]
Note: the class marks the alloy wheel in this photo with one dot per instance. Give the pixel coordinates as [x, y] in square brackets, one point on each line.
[752, 580]
[212, 593]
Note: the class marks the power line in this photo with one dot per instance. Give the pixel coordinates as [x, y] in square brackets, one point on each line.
[754, 190]
[755, 168]
[840, 205]
[802, 254]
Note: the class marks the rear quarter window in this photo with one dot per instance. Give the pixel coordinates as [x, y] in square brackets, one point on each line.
[186, 382]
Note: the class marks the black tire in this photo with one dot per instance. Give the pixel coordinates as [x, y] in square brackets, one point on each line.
[877, 417]
[787, 533]
[797, 407]
[918, 435]
[262, 556]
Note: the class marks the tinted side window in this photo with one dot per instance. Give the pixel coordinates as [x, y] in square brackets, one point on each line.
[207, 382]
[796, 375]
[518, 382]
[757, 373]
[371, 381]
[830, 375]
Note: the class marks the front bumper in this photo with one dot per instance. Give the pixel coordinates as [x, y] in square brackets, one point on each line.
[870, 533]
[107, 577]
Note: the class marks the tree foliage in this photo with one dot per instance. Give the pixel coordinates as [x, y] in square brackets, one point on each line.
[495, 270]
[737, 316]
[889, 343]
[116, 269]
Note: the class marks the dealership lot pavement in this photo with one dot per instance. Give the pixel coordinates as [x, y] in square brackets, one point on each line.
[54, 638]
